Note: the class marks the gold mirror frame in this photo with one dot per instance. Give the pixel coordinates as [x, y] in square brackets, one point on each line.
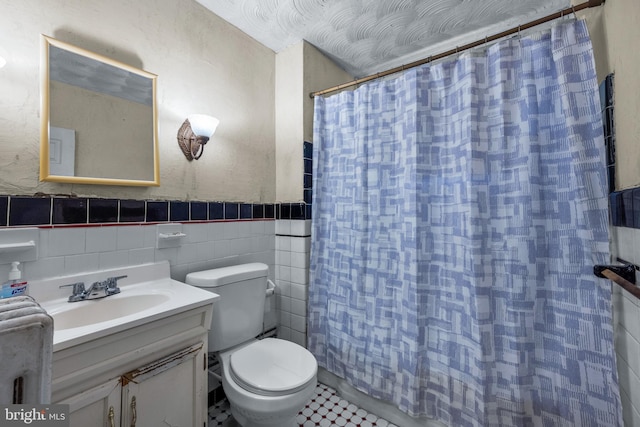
[45, 112]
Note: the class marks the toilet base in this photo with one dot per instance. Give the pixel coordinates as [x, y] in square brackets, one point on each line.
[244, 421]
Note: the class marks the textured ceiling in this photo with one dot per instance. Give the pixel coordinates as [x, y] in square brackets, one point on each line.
[369, 36]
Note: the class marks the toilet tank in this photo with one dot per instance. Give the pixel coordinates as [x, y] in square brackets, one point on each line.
[239, 313]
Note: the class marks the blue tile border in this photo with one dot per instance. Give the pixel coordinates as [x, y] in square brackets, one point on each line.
[20, 211]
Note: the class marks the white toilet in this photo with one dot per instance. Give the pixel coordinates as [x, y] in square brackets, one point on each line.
[267, 381]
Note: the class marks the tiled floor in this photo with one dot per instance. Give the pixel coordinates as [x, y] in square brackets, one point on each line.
[325, 409]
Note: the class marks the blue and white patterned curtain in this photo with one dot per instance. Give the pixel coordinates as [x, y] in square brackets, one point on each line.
[458, 210]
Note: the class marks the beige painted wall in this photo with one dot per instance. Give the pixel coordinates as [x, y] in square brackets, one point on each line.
[204, 65]
[300, 70]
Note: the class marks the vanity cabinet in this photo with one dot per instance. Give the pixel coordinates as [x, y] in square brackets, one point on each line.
[164, 392]
[151, 375]
[99, 406]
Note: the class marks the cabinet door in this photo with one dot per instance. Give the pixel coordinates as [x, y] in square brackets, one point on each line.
[97, 407]
[168, 392]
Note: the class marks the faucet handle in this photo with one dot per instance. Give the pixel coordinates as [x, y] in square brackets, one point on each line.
[112, 284]
[78, 287]
[78, 291]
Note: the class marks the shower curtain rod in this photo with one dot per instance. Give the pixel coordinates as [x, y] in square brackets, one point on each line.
[458, 49]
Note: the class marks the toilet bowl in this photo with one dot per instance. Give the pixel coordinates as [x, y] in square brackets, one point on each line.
[267, 381]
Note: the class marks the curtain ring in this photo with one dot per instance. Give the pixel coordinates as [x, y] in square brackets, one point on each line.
[519, 26]
[573, 10]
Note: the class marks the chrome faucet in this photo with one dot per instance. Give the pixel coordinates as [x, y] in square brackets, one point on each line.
[100, 289]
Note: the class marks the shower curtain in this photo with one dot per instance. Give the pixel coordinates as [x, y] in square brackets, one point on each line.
[458, 210]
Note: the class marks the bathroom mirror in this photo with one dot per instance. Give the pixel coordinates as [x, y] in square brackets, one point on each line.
[98, 119]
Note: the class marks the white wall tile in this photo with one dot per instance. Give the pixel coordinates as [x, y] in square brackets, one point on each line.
[114, 259]
[81, 263]
[43, 268]
[299, 307]
[300, 244]
[141, 256]
[627, 327]
[284, 273]
[283, 243]
[299, 338]
[299, 292]
[300, 228]
[299, 275]
[130, 237]
[283, 226]
[65, 241]
[101, 239]
[300, 260]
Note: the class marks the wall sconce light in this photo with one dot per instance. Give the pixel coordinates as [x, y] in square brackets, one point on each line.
[194, 134]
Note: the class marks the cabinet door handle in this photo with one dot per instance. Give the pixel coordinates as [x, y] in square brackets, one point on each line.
[112, 416]
[134, 413]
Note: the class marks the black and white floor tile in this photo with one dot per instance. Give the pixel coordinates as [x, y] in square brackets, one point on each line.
[325, 409]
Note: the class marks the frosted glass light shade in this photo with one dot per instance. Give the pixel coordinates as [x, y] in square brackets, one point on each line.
[3, 62]
[203, 125]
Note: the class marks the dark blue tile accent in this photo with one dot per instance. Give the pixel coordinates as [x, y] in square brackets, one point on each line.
[297, 211]
[269, 211]
[132, 210]
[179, 211]
[616, 209]
[29, 211]
[103, 210]
[627, 206]
[69, 211]
[307, 196]
[198, 211]
[4, 207]
[246, 211]
[308, 211]
[607, 105]
[157, 211]
[258, 211]
[636, 207]
[285, 211]
[308, 166]
[230, 211]
[216, 210]
[308, 181]
[307, 150]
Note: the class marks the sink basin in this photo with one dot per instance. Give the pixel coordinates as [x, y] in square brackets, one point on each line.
[83, 313]
[147, 294]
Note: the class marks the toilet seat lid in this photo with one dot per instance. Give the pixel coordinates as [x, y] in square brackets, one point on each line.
[273, 366]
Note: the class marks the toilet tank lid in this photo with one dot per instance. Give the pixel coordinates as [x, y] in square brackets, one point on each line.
[225, 275]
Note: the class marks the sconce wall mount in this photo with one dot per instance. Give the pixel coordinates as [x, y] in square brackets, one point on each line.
[194, 133]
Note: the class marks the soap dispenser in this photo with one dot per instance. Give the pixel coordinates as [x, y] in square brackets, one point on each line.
[15, 285]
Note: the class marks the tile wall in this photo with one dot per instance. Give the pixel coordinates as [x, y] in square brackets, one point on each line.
[293, 243]
[65, 250]
[624, 208]
[78, 234]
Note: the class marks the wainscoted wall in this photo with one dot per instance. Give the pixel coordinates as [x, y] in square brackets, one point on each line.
[293, 242]
[293, 245]
[626, 309]
[80, 234]
[624, 209]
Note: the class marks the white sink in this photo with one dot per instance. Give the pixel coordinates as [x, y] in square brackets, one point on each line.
[147, 294]
[83, 313]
